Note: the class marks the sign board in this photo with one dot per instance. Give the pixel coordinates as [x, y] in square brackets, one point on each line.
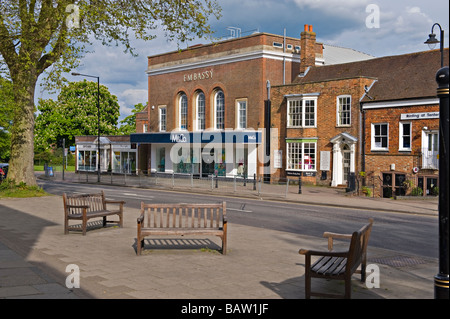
[293, 173]
[277, 159]
[419, 116]
[325, 160]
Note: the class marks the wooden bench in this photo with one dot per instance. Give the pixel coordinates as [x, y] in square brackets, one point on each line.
[86, 206]
[182, 219]
[339, 265]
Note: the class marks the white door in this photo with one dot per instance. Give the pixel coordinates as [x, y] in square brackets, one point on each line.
[430, 152]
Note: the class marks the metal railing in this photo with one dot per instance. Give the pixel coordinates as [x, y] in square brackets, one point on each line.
[254, 185]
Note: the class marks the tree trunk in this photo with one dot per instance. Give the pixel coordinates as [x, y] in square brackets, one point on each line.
[22, 133]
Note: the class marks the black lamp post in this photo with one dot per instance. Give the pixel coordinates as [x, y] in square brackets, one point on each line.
[98, 119]
[432, 41]
[441, 280]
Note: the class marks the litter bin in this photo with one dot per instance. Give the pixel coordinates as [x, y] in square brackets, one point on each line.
[50, 171]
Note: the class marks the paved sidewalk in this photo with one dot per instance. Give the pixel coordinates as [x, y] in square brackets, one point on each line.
[260, 263]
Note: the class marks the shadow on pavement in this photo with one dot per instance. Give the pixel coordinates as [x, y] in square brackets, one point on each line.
[20, 277]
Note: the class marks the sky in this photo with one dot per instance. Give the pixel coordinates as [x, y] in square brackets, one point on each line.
[379, 28]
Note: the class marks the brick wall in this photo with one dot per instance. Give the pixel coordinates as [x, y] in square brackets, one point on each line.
[327, 127]
[379, 162]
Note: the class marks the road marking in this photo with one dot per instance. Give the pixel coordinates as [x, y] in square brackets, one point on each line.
[240, 210]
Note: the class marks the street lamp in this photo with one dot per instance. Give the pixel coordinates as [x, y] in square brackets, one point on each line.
[98, 118]
[432, 41]
[441, 280]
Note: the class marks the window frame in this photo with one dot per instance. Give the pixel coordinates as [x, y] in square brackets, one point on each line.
[183, 117]
[340, 112]
[216, 122]
[239, 125]
[162, 128]
[301, 145]
[200, 126]
[401, 135]
[373, 137]
[303, 114]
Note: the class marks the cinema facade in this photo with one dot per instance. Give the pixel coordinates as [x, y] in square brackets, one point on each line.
[209, 109]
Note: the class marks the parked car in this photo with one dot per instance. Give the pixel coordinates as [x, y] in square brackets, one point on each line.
[3, 171]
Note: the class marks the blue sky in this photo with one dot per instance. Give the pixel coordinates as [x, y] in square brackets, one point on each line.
[403, 27]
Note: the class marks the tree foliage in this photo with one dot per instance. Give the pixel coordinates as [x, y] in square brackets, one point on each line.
[6, 115]
[128, 124]
[38, 36]
[75, 113]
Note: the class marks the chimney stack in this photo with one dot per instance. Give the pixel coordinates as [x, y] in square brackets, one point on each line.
[307, 48]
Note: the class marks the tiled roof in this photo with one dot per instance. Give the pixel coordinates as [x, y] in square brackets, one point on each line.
[398, 77]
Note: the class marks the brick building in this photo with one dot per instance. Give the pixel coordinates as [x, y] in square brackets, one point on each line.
[205, 112]
[378, 116]
[401, 121]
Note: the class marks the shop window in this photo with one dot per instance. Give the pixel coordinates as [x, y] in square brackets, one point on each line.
[393, 185]
[429, 185]
[87, 160]
[301, 156]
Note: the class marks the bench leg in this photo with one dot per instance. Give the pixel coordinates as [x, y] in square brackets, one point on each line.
[224, 245]
[348, 287]
[140, 246]
[104, 221]
[66, 225]
[307, 277]
[84, 225]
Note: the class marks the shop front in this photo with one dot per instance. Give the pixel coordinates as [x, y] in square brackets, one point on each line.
[117, 154]
[205, 153]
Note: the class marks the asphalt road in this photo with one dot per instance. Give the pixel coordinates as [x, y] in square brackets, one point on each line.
[404, 233]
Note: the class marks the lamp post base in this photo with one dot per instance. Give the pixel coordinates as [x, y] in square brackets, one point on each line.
[441, 286]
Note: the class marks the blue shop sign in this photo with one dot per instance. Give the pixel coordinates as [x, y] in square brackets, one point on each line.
[234, 137]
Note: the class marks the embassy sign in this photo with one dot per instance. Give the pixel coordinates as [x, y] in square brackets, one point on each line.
[198, 76]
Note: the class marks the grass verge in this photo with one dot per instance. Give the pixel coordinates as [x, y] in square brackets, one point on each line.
[8, 188]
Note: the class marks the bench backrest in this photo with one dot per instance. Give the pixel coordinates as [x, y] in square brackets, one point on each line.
[95, 202]
[358, 246]
[183, 215]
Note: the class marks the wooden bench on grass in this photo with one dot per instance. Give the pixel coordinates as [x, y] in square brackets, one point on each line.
[86, 206]
[182, 219]
[339, 265]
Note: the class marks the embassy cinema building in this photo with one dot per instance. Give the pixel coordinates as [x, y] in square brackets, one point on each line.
[207, 105]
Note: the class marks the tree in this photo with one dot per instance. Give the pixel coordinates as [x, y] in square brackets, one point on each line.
[75, 113]
[129, 123]
[37, 34]
[6, 115]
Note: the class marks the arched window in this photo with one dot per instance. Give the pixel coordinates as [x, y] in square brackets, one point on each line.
[200, 101]
[219, 103]
[183, 112]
